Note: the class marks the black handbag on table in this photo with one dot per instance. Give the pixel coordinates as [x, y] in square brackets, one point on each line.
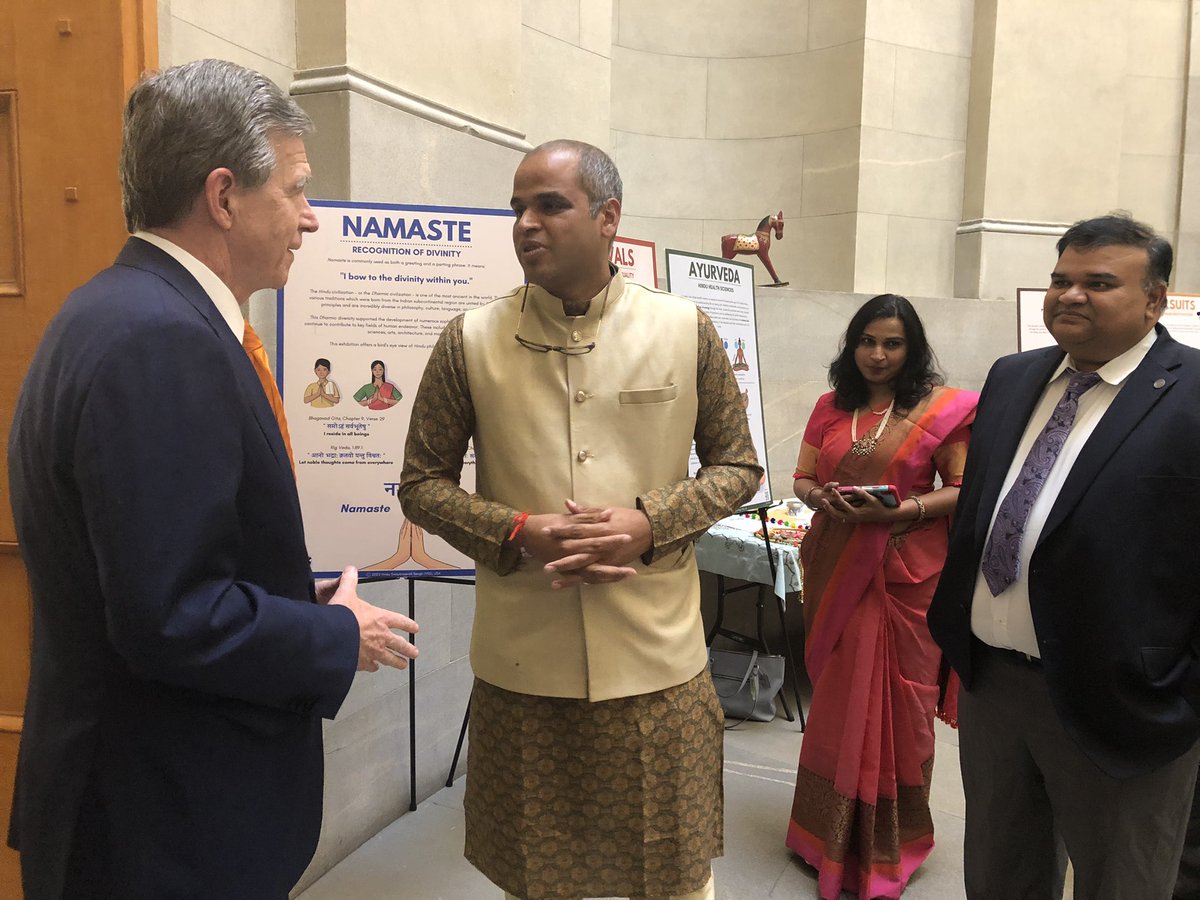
[746, 683]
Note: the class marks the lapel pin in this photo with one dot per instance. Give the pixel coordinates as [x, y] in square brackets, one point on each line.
[1160, 383]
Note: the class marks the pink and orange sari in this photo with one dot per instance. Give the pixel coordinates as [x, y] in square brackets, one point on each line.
[861, 810]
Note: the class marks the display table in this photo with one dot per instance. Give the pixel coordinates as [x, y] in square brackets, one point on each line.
[734, 547]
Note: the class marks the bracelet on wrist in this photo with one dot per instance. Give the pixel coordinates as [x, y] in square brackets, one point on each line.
[808, 496]
[514, 536]
[920, 511]
[519, 521]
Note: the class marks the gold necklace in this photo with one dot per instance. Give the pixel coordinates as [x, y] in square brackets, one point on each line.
[865, 445]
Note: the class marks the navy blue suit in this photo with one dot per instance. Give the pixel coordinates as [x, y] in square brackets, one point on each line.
[172, 736]
[1113, 592]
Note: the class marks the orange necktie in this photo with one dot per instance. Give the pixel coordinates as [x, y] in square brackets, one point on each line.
[262, 365]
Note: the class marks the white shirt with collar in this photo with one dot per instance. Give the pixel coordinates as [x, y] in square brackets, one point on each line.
[1005, 620]
[216, 289]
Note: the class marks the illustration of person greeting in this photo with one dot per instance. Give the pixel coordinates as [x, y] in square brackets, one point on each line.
[322, 393]
[411, 546]
[378, 393]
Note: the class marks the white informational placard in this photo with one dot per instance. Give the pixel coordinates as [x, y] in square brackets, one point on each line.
[376, 283]
[725, 291]
[1031, 330]
[1181, 318]
[635, 260]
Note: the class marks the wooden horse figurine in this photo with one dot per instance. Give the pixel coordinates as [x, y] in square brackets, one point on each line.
[758, 243]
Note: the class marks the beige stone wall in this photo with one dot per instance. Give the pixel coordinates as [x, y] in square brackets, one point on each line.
[914, 126]
[848, 114]
[1077, 109]
[712, 104]
[565, 71]
[440, 102]
[932, 148]
[260, 35]
[1187, 247]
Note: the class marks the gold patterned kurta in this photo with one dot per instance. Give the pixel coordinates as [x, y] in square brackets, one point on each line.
[539, 821]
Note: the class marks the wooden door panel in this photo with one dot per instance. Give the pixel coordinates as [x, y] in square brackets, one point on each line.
[10, 736]
[65, 69]
[14, 636]
[10, 199]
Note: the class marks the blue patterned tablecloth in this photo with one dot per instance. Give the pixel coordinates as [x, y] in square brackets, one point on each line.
[731, 550]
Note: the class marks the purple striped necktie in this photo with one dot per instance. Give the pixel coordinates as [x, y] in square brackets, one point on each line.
[1002, 555]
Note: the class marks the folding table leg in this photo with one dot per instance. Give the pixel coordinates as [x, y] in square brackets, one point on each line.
[719, 621]
[760, 614]
[791, 663]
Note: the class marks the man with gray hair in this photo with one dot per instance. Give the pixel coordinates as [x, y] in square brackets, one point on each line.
[182, 655]
[596, 737]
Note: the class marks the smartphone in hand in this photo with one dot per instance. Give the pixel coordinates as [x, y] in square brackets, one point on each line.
[884, 493]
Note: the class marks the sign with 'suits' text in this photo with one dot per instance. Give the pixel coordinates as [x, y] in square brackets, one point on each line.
[1181, 318]
[368, 295]
[725, 291]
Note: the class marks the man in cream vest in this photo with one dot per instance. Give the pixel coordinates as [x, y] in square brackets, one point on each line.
[596, 737]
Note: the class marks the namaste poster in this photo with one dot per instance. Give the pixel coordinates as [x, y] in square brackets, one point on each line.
[368, 295]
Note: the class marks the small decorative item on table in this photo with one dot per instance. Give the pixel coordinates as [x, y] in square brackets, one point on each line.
[791, 536]
[788, 522]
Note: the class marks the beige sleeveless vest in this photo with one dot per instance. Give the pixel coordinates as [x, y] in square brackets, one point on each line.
[600, 428]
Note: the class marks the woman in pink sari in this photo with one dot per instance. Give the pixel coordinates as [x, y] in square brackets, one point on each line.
[861, 811]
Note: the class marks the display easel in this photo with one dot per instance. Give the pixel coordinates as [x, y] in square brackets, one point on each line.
[759, 641]
[412, 693]
[412, 680]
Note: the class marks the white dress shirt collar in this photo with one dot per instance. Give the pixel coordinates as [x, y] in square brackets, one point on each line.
[1116, 370]
[216, 289]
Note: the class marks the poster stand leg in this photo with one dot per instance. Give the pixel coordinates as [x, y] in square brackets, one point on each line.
[412, 705]
[787, 644]
[412, 693]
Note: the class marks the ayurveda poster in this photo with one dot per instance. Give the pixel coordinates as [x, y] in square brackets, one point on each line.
[725, 291]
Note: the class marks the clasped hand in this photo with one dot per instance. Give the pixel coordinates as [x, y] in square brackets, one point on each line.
[378, 643]
[588, 544]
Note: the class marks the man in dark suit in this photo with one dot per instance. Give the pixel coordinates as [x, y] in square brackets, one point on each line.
[182, 656]
[1068, 604]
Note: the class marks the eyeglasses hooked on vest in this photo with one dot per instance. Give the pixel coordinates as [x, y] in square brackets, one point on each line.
[566, 351]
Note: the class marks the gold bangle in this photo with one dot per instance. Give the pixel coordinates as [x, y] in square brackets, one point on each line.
[920, 511]
[808, 495]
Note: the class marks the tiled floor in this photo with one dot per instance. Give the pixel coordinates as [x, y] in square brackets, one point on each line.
[419, 857]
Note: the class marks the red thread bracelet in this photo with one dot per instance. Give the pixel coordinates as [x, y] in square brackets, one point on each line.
[518, 524]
